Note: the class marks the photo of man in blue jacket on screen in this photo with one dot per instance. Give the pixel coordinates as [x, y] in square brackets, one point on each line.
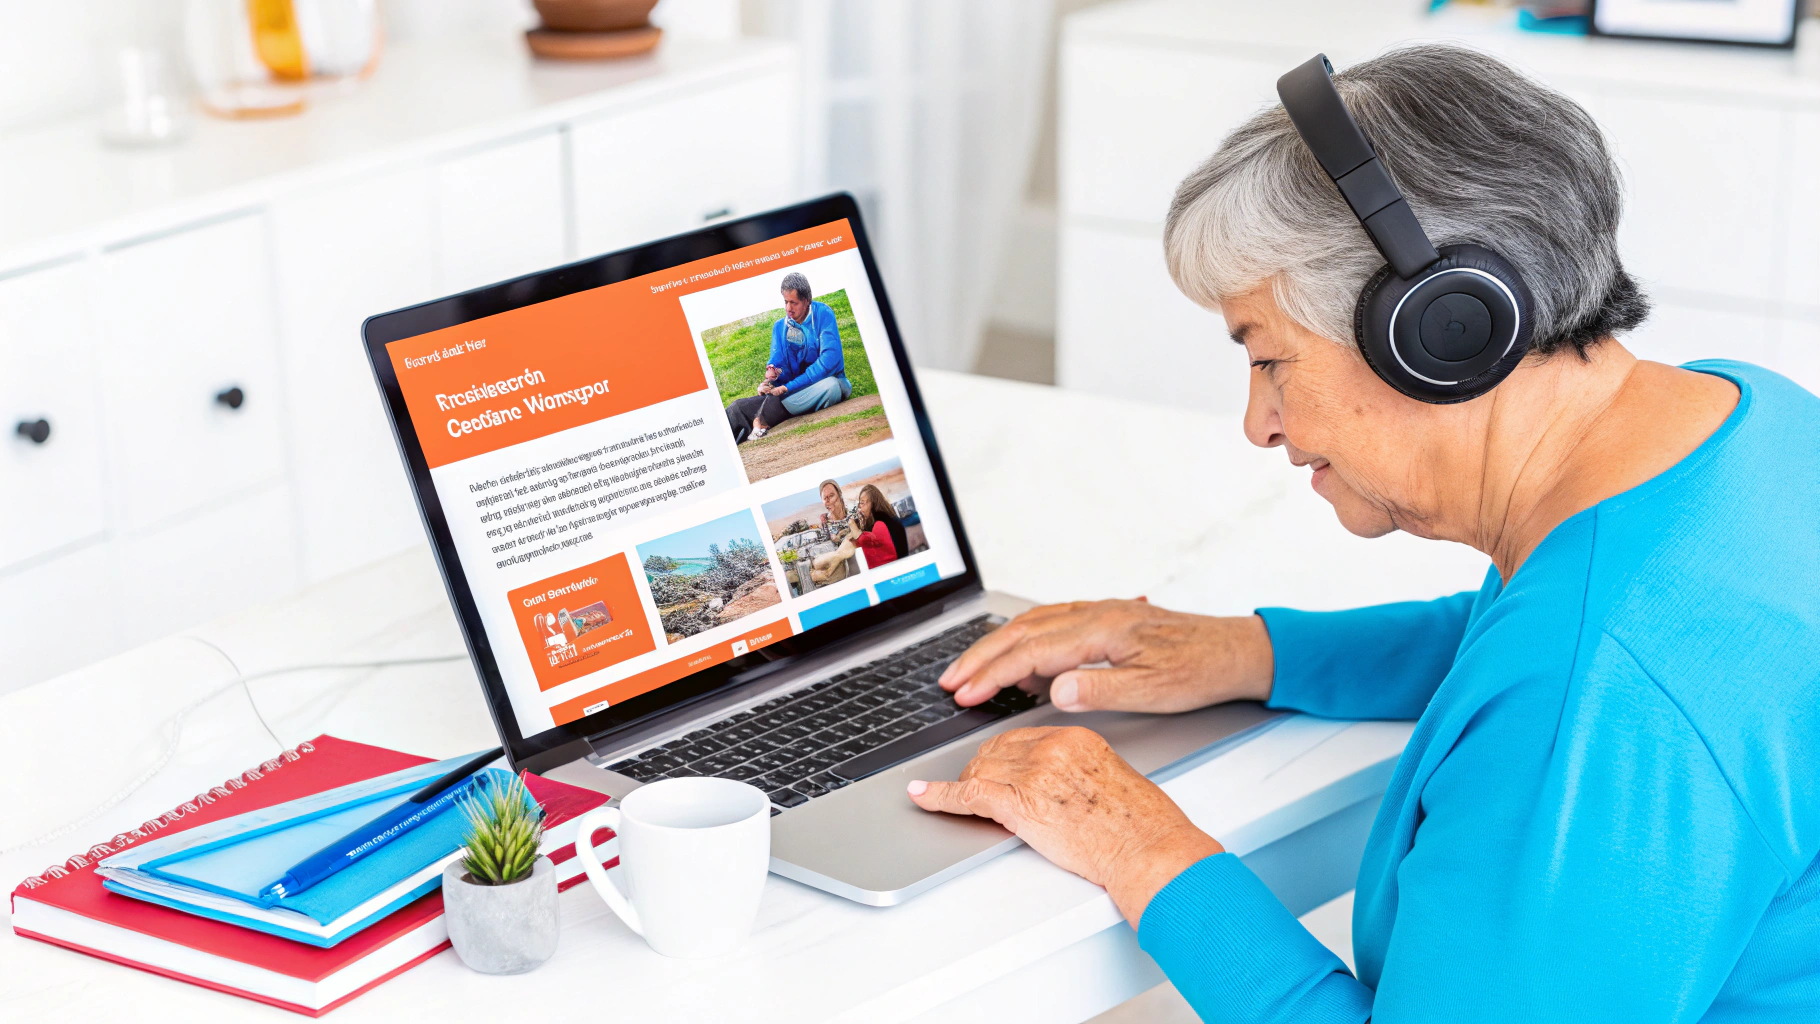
[805, 372]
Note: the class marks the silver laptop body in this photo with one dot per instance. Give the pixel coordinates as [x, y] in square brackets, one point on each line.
[867, 842]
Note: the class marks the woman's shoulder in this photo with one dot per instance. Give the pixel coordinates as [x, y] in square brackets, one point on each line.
[1710, 587]
[1650, 685]
[1722, 555]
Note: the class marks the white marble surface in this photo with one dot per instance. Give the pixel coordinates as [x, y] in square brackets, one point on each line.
[1065, 496]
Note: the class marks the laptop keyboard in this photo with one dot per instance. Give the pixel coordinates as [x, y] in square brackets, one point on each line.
[789, 745]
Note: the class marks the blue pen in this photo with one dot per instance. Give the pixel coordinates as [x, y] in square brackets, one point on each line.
[369, 837]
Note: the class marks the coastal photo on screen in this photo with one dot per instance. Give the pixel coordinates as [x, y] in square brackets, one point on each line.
[793, 376]
[850, 523]
[708, 575]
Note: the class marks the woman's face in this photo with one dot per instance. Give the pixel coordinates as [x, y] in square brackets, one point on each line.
[831, 500]
[1375, 455]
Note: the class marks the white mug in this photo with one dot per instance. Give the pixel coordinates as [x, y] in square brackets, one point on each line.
[693, 854]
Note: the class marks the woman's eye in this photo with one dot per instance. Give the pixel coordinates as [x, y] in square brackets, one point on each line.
[1263, 364]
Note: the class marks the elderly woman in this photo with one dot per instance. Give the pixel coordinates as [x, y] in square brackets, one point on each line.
[1610, 806]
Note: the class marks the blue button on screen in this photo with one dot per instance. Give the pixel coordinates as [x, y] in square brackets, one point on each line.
[834, 609]
[897, 586]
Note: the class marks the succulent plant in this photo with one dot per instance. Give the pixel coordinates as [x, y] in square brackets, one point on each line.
[504, 827]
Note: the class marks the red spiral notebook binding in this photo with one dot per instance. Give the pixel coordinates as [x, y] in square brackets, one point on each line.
[67, 905]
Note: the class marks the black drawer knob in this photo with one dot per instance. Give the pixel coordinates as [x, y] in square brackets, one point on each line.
[233, 398]
[36, 431]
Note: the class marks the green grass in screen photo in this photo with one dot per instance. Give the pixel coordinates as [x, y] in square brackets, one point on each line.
[738, 350]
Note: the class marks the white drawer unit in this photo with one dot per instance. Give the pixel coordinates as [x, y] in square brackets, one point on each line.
[59, 616]
[656, 170]
[1799, 358]
[343, 254]
[234, 555]
[189, 370]
[1700, 218]
[1717, 146]
[1801, 226]
[50, 451]
[1680, 334]
[501, 211]
[180, 330]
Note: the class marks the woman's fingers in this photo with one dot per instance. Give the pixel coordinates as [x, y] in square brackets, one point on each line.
[973, 795]
[982, 652]
[1039, 646]
[1102, 689]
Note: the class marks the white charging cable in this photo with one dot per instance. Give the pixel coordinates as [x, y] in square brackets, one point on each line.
[174, 725]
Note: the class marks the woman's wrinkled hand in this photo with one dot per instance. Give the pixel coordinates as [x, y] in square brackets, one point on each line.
[1160, 661]
[1078, 803]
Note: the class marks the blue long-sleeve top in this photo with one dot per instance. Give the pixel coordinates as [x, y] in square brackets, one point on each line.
[815, 357]
[1609, 809]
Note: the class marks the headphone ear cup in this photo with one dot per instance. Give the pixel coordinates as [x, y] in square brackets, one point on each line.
[1371, 328]
[1401, 325]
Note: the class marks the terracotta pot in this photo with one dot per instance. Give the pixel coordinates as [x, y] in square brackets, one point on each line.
[594, 15]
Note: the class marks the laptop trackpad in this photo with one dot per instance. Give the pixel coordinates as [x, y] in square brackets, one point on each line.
[868, 842]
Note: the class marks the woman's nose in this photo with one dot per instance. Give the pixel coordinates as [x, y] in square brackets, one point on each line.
[1263, 424]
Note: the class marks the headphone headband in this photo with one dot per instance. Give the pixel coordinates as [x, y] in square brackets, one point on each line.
[1328, 129]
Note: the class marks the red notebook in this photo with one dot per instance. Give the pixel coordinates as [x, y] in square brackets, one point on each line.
[67, 905]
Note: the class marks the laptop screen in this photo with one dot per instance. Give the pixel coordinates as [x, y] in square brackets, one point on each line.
[652, 479]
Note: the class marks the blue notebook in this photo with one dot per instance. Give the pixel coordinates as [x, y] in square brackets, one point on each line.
[220, 870]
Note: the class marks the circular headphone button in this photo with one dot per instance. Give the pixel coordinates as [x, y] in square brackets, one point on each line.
[1456, 327]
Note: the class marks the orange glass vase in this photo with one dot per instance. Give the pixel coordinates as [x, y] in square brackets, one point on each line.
[277, 39]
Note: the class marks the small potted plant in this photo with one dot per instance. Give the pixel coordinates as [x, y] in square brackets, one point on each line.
[500, 899]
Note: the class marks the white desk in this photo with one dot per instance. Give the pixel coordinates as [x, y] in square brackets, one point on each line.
[1065, 495]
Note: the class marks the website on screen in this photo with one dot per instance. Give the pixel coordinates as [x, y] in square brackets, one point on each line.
[656, 476]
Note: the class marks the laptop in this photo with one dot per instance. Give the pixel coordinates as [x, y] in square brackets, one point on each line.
[693, 519]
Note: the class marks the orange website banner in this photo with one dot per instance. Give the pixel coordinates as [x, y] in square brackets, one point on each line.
[669, 672]
[509, 378]
[581, 621]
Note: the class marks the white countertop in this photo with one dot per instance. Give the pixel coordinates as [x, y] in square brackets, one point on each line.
[1065, 496]
[62, 190]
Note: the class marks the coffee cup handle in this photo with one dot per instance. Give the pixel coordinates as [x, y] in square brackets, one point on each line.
[591, 822]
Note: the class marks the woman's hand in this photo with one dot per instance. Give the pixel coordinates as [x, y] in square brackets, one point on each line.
[1076, 802]
[1162, 661]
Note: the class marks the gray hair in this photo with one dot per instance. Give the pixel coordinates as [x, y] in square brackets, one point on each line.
[1482, 153]
[795, 282]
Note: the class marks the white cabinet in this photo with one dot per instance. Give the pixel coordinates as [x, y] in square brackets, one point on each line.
[344, 253]
[652, 171]
[1679, 334]
[1701, 217]
[1132, 333]
[1718, 150]
[231, 556]
[189, 370]
[50, 433]
[1801, 272]
[59, 615]
[1799, 358]
[501, 211]
[188, 329]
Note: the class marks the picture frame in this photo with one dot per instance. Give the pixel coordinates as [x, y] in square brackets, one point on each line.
[1763, 23]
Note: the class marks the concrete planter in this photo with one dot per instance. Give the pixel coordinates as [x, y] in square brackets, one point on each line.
[502, 929]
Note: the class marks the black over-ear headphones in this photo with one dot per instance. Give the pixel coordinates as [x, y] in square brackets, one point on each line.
[1440, 326]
